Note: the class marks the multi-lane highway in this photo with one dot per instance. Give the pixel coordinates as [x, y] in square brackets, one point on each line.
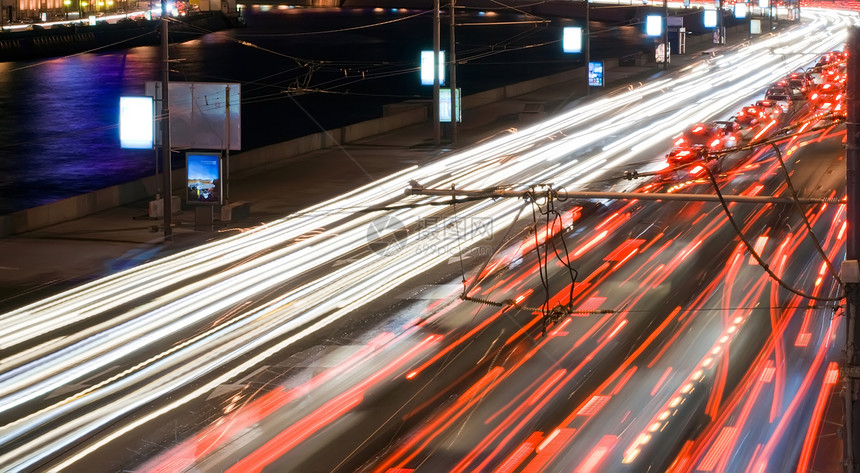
[335, 339]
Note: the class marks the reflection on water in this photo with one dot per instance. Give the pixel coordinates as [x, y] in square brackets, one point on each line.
[58, 118]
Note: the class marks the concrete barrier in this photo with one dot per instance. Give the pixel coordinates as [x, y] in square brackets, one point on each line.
[77, 206]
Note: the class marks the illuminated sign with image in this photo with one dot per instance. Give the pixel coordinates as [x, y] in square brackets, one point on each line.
[595, 74]
[136, 126]
[572, 39]
[427, 68]
[740, 10]
[204, 181]
[653, 25]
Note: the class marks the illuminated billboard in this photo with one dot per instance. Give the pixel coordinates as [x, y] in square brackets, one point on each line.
[427, 68]
[740, 10]
[445, 105]
[595, 73]
[136, 127]
[710, 18]
[204, 181]
[755, 26]
[653, 25]
[571, 40]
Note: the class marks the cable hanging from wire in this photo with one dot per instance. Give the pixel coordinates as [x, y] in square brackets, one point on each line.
[754, 253]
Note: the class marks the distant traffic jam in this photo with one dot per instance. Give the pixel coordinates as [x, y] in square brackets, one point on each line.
[814, 92]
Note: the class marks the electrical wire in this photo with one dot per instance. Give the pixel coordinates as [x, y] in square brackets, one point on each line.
[755, 254]
[806, 223]
[339, 30]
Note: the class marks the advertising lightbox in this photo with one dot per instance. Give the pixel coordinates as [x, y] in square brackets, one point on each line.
[427, 68]
[445, 105]
[740, 10]
[136, 126]
[571, 40]
[710, 18]
[595, 74]
[755, 26]
[653, 25]
[204, 181]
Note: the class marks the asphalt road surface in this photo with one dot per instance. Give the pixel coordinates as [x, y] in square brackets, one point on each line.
[335, 339]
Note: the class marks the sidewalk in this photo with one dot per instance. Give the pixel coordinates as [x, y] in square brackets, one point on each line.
[41, 262]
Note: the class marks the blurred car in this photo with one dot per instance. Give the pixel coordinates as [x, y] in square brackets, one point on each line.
[686, 155]
[772, 108]
[828, 97]
[798, 87]
[780, 88]
[713, 136]
[749, 117]
[812, 76]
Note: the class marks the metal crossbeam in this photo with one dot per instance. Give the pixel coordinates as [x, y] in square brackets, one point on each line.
[495, 193]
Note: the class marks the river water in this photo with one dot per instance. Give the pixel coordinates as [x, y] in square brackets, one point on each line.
[59, 132]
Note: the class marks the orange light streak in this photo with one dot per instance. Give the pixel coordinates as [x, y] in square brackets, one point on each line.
[811, 439]
[623, 381]
[617, 328]
[329, 412]
[549, 450]
[718, 450]
[594, 241]
[595, 457]
[212, 438]
[516, 458]
[758, 247]
[593, 406]
[541, 391]
[763, 130]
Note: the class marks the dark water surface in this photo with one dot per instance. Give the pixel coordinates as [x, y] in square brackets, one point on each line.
[58, 118]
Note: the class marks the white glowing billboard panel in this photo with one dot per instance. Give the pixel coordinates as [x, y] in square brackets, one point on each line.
[571, 40]
[427, 67]
[653, 25]
[710, 18]
[755, 26]
[136, 125]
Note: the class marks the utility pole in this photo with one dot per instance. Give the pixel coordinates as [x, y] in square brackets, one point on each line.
[770, 14]
[665, 35]
[587, 45]
[225, 198]
[167, 194]
[850, 276]
[436, 72]
[720, 24]
[453, 80]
